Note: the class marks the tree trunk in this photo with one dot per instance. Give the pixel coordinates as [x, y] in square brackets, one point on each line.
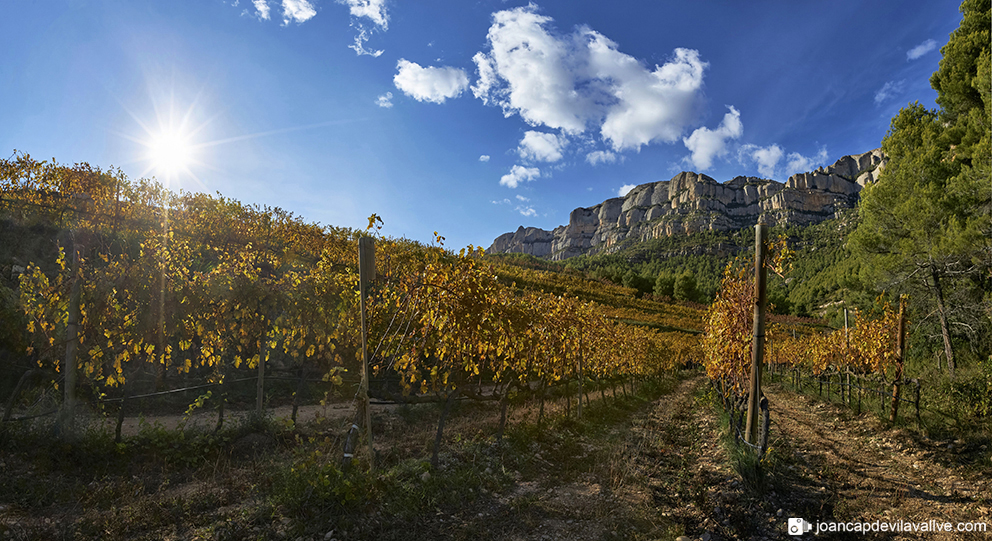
[504, 404]
[568, 400]
[128, 385]
[900, 348]
[942, 315]
[222, 390]
[299, 391]
[440, 427]
[540, 415]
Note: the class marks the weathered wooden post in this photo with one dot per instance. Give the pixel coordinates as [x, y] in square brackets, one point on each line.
[758, 337]
[68, 415]
[579, 411]
[366, 274]
[847, 359]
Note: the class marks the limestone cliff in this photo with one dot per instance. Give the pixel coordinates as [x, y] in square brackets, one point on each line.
[693, 202]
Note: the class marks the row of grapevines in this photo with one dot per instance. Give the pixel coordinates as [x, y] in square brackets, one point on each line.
[190, 282]
[870, 346]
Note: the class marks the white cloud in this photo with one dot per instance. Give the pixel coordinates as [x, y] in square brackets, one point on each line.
[797, 163]
[522, 198]
[519, 174]
[580, 81]
[262, 8]
[541, 147]
[600, 156]
[527, 211]
[429, 84]
[359, 45]
[706, 144]
[385, 100]
[625, 189]
[374, 10]
[297, 11]
[889, 90]
[921, 49]
[484, 158]
[767, 158]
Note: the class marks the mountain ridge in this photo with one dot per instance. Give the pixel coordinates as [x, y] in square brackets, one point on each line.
[692, 202]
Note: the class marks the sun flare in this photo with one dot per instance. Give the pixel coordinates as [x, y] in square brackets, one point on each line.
[171, 143]
[170, 153]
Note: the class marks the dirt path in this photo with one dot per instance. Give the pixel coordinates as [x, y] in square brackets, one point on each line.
[647, 477]
[843, 467]
[633, 470]
[668, 475]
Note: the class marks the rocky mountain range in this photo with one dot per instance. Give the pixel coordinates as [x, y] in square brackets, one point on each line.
[692, 202]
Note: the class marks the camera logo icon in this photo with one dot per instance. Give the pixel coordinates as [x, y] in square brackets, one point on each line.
[798, 526]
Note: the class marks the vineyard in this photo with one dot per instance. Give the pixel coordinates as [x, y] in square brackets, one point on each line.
[148, 292]
[207, 335]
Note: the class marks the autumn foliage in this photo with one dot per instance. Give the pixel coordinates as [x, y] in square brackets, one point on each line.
[186, 282]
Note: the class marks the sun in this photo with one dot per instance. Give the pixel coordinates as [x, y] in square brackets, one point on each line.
[172, 141]
[171, 153]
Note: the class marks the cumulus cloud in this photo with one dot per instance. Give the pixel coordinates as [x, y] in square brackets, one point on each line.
[373, 10]
[385, 100]
[262, 8]
[921, 49]
[297, 11]
[705, 144]
[767, 158]
[625, 189]
[527, 211]
[597, 157]
[797, 163]
[580, 81]
[429, 84]
[484, 158]
[522, 198]
[889, 90]
[519, 174]
[541, 147]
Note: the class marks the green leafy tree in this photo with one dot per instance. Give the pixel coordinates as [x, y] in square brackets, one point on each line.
[925, 224]
[634, 280]
[685, 287]
[664, 285]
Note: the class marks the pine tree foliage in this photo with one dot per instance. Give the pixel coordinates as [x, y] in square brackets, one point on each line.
[925, 225]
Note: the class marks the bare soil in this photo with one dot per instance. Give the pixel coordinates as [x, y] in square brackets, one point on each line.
[661, 469]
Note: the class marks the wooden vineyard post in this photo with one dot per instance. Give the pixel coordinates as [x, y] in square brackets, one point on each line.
[68, 414]
[366, 274]
[758, 338]
[578, 412]
[900, 348]
[847, 359]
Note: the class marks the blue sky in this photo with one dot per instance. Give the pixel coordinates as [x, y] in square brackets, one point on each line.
[465, 118]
